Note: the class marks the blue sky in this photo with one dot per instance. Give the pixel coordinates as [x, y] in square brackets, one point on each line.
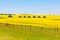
[30, 6]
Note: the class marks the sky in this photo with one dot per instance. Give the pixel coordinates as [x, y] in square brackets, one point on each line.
[30, 6]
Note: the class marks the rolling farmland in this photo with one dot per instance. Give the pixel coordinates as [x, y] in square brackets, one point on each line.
[47, 28]
[24, 32]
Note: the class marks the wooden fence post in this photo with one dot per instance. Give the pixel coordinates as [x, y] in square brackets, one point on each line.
[41, 29]
[57, 29]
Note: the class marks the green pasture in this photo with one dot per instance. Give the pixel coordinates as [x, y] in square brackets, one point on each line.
[25, 32]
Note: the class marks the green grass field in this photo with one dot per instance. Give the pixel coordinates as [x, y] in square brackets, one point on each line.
[24, 32]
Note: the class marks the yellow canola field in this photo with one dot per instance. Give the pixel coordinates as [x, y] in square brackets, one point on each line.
[48, 21]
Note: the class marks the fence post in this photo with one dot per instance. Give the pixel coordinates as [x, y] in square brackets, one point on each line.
[57, 29]
[41, 29]
[21, 27]
[54, 29]
[30, 28]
